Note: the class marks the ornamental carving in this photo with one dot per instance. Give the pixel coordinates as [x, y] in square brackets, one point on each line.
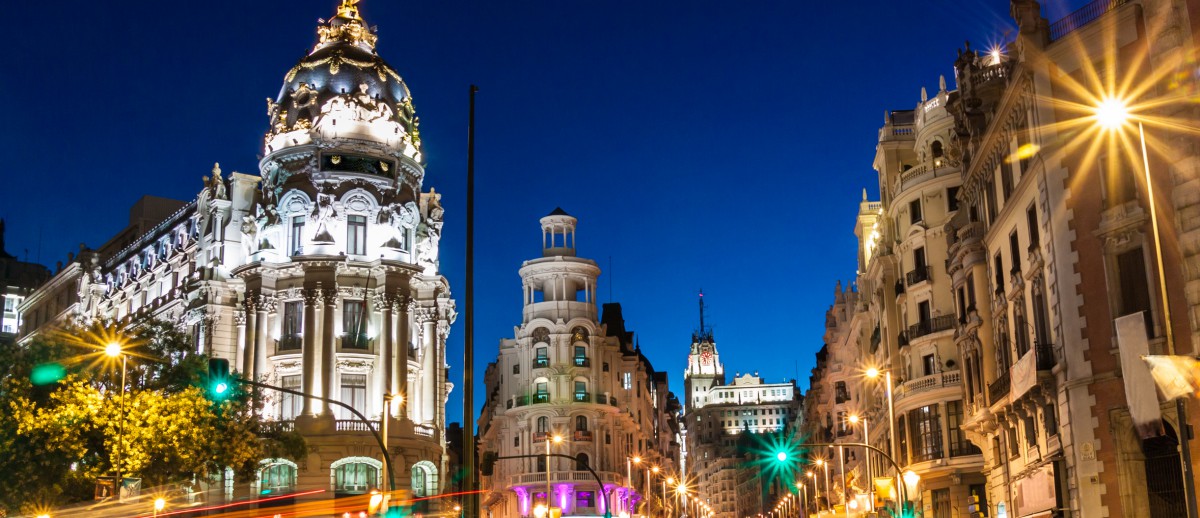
[354, 365]
[239, 317]
[353, 292]
[268, 303]
[288, 366]
[425, 314]
[541, 335]
[330, 296]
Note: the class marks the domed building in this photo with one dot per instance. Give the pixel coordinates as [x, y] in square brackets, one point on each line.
[319, 275]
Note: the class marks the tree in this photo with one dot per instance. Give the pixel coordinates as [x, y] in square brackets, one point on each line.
[55, 440]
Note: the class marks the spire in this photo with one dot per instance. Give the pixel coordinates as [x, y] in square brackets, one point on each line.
[701, 300]
[347, 25]
[942, 83]
[924, 95]
[704, 334]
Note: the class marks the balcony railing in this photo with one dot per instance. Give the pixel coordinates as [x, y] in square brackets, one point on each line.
[902, 339]
[1082, 16]
[1045, 357]
[999, 388]
[541, 363]
[290, 343]
[356, 341]
[899, 288]
[917, 275]
[583, 397]
[582, 362]
[354, 425]
[584, 477]
[926, 383]
[278, 426]
[540, 436]
[931, 326]
[582, 435]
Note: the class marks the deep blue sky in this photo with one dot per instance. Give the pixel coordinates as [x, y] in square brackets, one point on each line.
[703, 144]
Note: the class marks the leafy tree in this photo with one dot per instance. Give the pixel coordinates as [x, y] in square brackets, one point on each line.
[55, 440]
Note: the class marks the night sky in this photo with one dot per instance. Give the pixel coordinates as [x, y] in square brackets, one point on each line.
[707, 144]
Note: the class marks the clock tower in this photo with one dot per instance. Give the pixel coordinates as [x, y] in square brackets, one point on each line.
[704, 369]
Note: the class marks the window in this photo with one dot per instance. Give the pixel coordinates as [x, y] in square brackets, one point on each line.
[581, 391]
[581, 359]
[941, 503]
[1135, 293]
[354, 326]
[1014, 251]
[1050, 420]
[581, 424]
[989, 199]
[998, 265]
[290, 405]
[901, 441]
[1031, 223]
[356, 235]
[842, 393]
[585, 498]
[277, 477]
[543, 357]
[959, 445]
[581, 463]
[293, 325]
[543, 392]
[1013, 450]
[516, 368]
[1006, 179]
[935, 149]
[355, 477]
[952, 199]
[516, 441]
[929, 364]
[424, 479]
[354, 393]
[543, 425]
[626, 380]
[1020, 328]
[296, 236]
[914, 211]
[926, 428]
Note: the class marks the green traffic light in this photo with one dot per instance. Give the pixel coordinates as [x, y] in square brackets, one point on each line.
[47, 373]
[781, 456]
[221, 388]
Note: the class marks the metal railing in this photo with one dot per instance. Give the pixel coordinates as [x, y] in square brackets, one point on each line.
[999, 388]
[1082, 16]
[583, 397]
[1045, 356]
[356, 341]
[541, 363]
[582, 435]
[933, 325]
[582, 361]
[902, 339]
[918, 275]
[289, 343]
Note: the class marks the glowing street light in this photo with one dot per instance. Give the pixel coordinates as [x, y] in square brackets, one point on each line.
[1112, 113]
[113, 350]
[781, 456]
[540, 510]
[159, 505]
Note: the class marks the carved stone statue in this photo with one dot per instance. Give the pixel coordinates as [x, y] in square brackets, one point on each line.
[216, 184]
[249, 234]
[322, 213]
[428, 234]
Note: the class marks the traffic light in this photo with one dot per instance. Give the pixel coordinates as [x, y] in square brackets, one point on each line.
[975, 508]
[47, 373]
[219, 382]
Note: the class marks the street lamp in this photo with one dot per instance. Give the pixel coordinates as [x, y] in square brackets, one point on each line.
[159, 505]
[854, 419]
[828, 502]
[873, 373]
[113, 350]
[555, 439]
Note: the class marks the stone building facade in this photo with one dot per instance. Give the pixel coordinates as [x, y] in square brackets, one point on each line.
[576, 374]
[319, 274]
[18, 279]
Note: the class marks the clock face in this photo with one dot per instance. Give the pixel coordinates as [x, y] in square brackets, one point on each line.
[706, 357]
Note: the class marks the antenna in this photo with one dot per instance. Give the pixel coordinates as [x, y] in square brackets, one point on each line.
[701, 311]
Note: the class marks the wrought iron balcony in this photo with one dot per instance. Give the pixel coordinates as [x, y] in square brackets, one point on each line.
[541, 363]
[931, 326]
[999, 388]
[918, 275]
[582, 361]
[583, 435]
[356, 341]
[293, 342]
[1045, 356]
[902, 339]
[540, 436]
[583, 397]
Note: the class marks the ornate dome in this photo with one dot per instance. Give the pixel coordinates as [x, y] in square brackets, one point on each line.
[342, 88]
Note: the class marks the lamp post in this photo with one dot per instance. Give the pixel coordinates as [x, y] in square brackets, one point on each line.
[873, 373]
[1112, 114]
[629, 462]
[803, 498]
[854, 419]
[113, 350]
[549, 496]
[666, 503]
[159, 505]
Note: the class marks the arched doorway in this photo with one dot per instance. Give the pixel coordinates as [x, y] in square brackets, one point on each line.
[1164, 476]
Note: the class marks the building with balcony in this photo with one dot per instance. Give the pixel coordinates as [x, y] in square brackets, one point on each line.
[722, 422]
[578, 375]
[836, 406]
[908, 327]
[18, 279]
[319, 274]
[1054, 263]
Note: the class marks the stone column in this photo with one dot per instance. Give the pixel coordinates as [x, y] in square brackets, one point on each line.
[428, 365]
[400, 356]
[384, 346]
[243, 348]
[310, 357]
[327, 356]
[266, 312]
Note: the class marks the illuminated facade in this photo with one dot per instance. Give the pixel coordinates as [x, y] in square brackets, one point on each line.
[573, 373]
[320, 274]
[718, 423]
[1054, 265]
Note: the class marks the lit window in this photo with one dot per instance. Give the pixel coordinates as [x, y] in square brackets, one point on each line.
[356, 235]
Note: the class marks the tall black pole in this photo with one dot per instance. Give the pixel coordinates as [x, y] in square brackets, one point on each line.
[471, 507]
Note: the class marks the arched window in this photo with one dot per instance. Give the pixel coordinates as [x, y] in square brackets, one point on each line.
[581, 391]
[581, 462]
[277, 475]
[935, 149]
[355, 474]
[424, 479]
[581, 424]
[543, 424]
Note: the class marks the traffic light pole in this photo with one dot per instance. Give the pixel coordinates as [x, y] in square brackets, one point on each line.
[387, 459]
